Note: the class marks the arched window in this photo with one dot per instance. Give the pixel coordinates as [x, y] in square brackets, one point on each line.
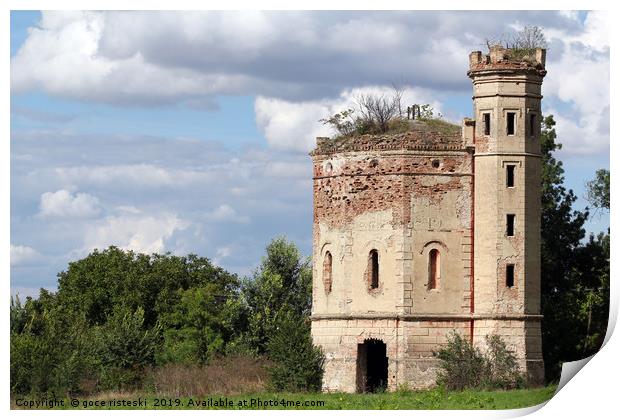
[434, 269]
[373, 269]
[327, 272]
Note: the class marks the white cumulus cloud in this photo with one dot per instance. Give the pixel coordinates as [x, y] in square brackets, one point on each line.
[63, 203]
[158, 57]
[579, 75]
[140, 233]
[21, 254]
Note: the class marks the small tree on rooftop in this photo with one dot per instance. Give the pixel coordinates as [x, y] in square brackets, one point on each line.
[343, 122]
[427, 112]
[521, 43]
[528, 38]
[373, 113]
[379, 109]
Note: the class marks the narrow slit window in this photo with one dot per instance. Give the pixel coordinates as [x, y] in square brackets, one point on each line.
[510, 175]
[373, 268]
[532, 124]
[327, 272]
[510, 225]
[510, 275]
[487, 124]
[434, 269]
[510, 123]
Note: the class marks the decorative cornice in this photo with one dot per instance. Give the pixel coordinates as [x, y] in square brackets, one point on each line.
[364, 174]
[534, 155]
[427, 317]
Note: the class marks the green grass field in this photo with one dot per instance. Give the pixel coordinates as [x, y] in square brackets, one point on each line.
[435, 399]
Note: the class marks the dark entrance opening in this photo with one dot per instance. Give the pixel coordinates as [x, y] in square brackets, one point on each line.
[372, 366]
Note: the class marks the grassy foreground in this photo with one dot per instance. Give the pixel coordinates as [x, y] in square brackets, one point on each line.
[435, 399]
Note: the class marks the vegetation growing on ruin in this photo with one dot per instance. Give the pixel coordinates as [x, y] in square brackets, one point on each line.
[379, 114]
[521, 45]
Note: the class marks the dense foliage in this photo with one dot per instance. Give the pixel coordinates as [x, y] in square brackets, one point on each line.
[117, 313]
[298, 362]
[598, 190]
[575, 273]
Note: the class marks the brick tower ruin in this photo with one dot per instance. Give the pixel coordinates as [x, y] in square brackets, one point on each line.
[433, 230]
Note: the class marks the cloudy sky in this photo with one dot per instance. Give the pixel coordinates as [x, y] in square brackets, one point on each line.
[190, 132]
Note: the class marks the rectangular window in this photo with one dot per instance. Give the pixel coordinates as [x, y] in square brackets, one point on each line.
[510, 123]
[510, 225]
[373, 266]
[433, 269]
[510, 275]
[487, 124]
[510, 175]
[532, 124]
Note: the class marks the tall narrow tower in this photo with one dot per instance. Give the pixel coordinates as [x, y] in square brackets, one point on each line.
[507, 209]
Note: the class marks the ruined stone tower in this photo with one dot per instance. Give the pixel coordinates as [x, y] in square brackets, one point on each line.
[429, 231]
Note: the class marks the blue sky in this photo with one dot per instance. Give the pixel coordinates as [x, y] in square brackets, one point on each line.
[189, 132]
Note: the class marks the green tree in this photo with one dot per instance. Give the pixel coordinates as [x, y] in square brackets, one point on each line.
[573, 276]
[105, 279]
[50, 352]
[594, 311]
[283, 282]
[298, 363]
[592, 291]
[112, 306]
[195, 328]
[125, 347]
[18, 314]
[598, 190]
[561, 235]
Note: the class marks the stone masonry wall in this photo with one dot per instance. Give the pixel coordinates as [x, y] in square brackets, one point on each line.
[409, 346]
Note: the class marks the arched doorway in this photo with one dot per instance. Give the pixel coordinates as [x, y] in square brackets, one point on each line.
[372, 366]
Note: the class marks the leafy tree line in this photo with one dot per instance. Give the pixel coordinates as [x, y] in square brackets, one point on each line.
[118, 312]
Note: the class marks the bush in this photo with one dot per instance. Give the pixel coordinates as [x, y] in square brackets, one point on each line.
[465, 366]
[50, 352]
[125, 348]
[502, 365]
[298, 363]
[462, 365]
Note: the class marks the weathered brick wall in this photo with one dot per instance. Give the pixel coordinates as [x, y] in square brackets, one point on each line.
[404, 203]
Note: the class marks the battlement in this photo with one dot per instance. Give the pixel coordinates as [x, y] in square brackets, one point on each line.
[507, 59]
